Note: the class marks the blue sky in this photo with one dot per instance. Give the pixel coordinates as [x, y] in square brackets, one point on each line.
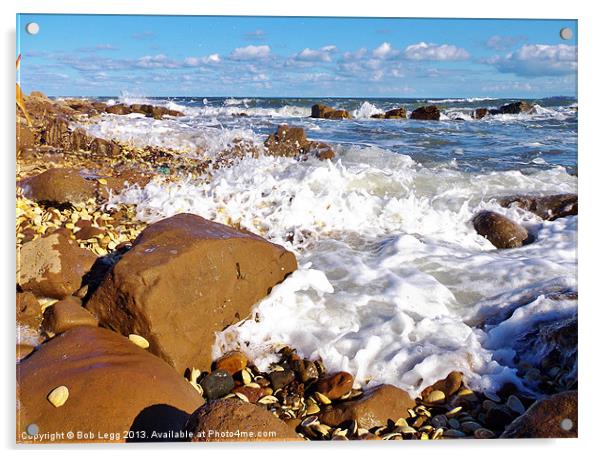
[305, 57]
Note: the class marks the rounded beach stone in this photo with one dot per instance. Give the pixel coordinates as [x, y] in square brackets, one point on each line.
[502, 232]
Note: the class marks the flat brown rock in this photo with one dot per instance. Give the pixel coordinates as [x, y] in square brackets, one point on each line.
[52, 266]
[326, 112]
[114, 386]
[66, 314]
[546, 207]
[232, 420]
[374, 408]
[429, 113]
[547, 418]
[184, 279]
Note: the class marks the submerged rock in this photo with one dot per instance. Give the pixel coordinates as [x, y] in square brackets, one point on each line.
[546, 207]
[553, 417]
[113, 386]
[502, 232]
[184, 279]
[514, 108]
[53, 266]
[232, 420]
[429, 113]
[326, 112]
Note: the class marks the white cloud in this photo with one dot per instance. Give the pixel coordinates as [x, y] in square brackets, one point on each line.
[538, 60]
[503, 42]
[384, 51]
[430, 51]
[197, 61]
[250, 52]
[324, 54]
[157, 61]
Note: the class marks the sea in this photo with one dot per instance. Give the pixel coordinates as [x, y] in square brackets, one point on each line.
[394, 285]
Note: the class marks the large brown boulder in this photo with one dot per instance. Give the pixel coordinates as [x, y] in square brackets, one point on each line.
[232, 420]
[502, 232]
[552, 417]
[326, 112]
[480, 113]
[114, 386]
[59, 186]
[53, 266]
[546, 207]
[374, 408]
[429, 113]
[184, 279]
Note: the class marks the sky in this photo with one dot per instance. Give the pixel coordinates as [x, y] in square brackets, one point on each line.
[96, 55]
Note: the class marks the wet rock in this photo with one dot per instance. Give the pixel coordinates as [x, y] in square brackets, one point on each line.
[184, 279]
[292, 142]
[104, 147]
[378, 116]
[146, 109]
[326, 112]
[305, 369]
[396, 113]
[515, 108]
[59, 186]
[502, 232]
[29, 312]
[114, 386]
[555, 416]
[336, 385]
[232, 362]
[287, 141]
[374, 408]
[233, 420]
[429, 113]
[480, 113]
[448, 386]
[217, 384]
[66, 314]
[53, 266]
[118, 109]
[280, 379]
[251, 393]
[546, 207]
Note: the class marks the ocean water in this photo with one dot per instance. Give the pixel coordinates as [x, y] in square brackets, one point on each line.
[394, 284]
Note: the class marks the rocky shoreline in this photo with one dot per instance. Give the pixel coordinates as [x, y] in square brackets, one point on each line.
[117, 318]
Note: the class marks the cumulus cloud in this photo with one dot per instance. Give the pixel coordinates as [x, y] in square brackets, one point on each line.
[538, 60]
[384, 51]
[324, 54]
[430, 51]
[250, 52]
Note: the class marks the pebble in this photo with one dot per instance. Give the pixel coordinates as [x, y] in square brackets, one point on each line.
[58, 396]
[305, 369]
[217, 384]
[435, 397]
[335, 385]
[232, 362]
[484, 433]
[515, 405]
[281, 378]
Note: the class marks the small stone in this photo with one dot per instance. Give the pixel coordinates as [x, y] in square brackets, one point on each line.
[435, 397]
[484, 433]
[59, 396]
[335, 385]
[139, 340]
[306, 370]
[515, 405]
[498, 417]
[453, 433]
[217, 384]
[232, 362]
[251, 393]
[469, 427]
[282, 378]
[439, 421]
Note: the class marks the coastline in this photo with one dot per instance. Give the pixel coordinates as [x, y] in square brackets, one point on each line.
[101, 168]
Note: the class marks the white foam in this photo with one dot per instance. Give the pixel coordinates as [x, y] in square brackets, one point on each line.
[392, 270]
[366, 110]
